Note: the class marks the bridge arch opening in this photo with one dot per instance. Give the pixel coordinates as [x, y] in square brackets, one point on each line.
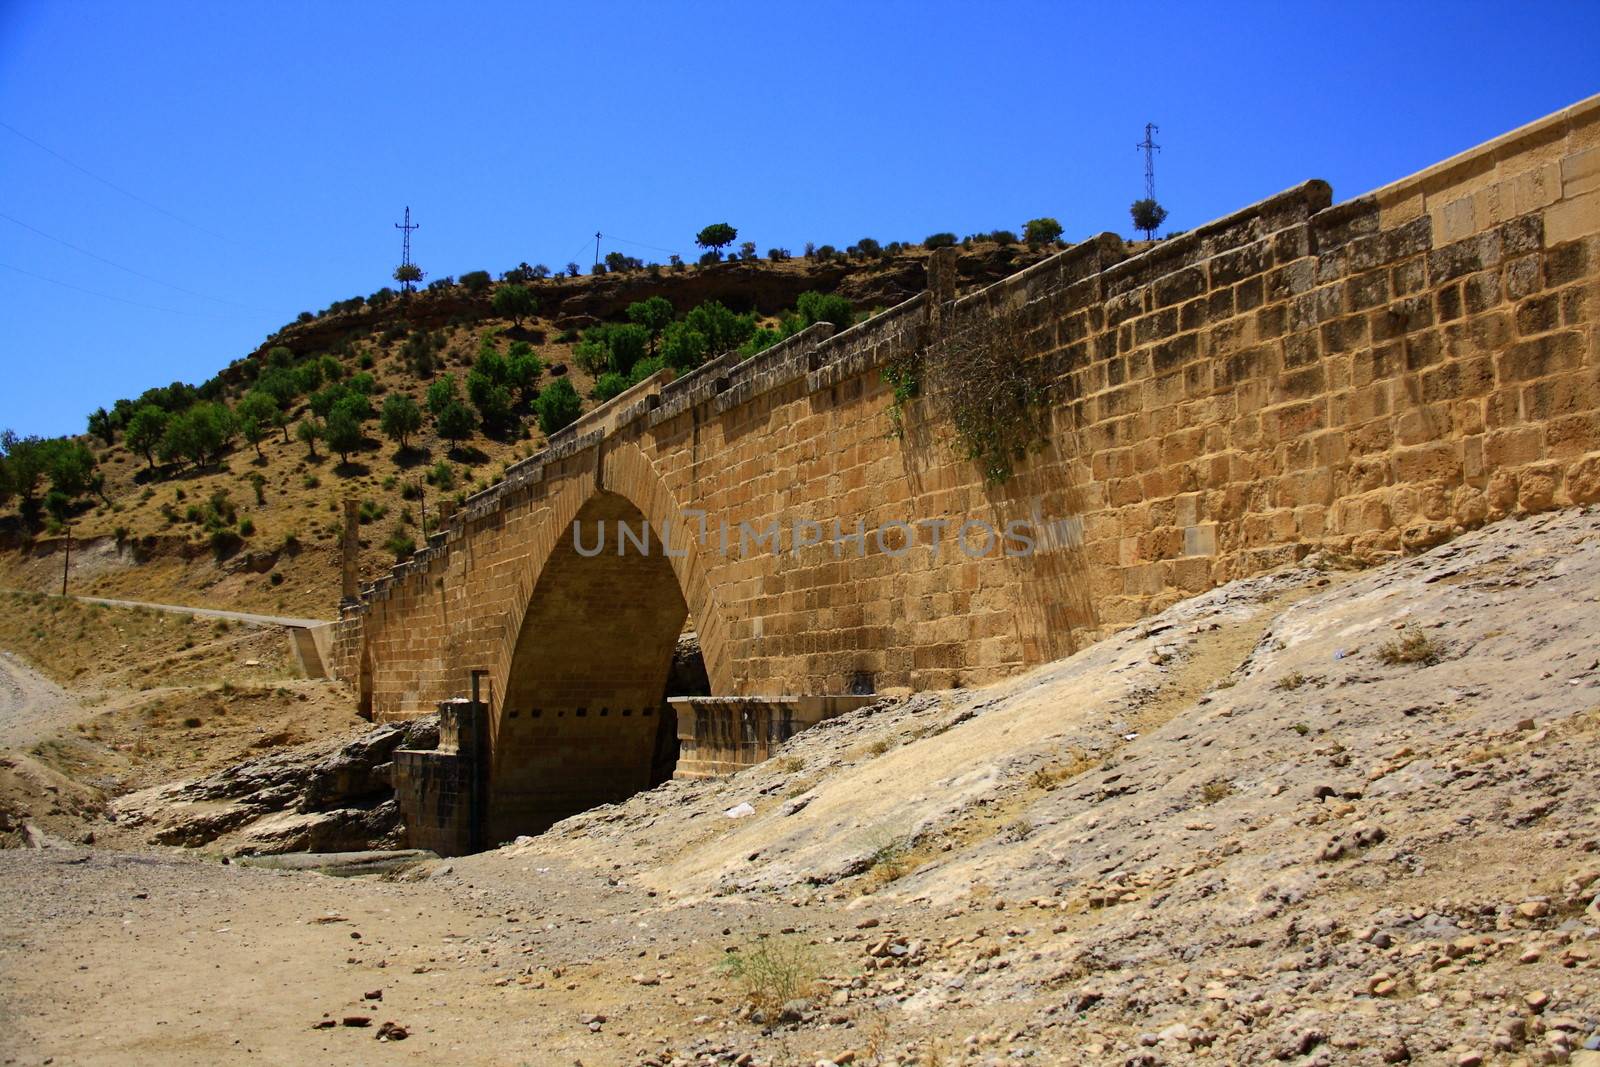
[584, 718]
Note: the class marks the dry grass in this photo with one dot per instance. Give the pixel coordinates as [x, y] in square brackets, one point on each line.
[1412, 646]
[1217, 790]
[1290, 682]
[1053, 775]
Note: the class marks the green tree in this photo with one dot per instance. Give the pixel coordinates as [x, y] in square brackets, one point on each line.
[455, 422]
[558, 406]
[1041, 231]
[1147, 216]
[342, 430]
[103, 424]
[146, 428]
[27, 461]
[489, 390]
[722, 329]
[515, 302]
[442, 392]
[258, 414]
[653, 314]
[71, 467]
[523, 368]
[201, 434]
[308, 431]
[400, 419]
[683, 346]
[716, 237]
[408, 275]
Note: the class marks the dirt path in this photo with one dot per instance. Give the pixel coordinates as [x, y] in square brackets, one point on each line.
[31, 706]
[206, 613]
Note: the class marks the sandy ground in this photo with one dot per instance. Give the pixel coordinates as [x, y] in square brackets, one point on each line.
[1318, 817]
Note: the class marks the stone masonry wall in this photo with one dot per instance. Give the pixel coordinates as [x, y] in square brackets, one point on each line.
[1370, 376]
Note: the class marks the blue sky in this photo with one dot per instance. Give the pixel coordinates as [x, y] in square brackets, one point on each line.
[247, 161]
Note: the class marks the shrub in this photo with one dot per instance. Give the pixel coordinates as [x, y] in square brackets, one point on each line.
[476, 281]
[939, 240]
[1412, 646]
[869, 248]
[779, 255]
[1041, 231]
[773, 973]
[401, 544]
[247, 527]
[1003, 237]
[825, 307]
[442, 476]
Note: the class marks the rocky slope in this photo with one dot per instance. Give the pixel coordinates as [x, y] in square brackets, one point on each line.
[1316, 817]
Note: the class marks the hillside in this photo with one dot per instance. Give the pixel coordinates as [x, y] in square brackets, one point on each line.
[1317, 816]
[258, 528]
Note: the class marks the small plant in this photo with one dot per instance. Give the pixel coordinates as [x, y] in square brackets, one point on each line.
[191, 723]
[773, 972]
[1301, 728]
[1290, 681]
[1212, 792]
[1412, 646]
[789, 764]
[890, 859]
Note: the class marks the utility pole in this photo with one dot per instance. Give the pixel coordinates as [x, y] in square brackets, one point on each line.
[405, 245]
[66, 562]
[597, 248]
[1150, 149]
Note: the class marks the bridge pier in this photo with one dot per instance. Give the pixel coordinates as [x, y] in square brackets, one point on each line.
[720, 735]
[443, 793]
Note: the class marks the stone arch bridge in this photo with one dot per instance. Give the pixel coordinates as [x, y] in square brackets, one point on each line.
[1367, 376]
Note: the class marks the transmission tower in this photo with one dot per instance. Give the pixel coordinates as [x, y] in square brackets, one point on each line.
[597, 248]
[405, 245]
[1150, 149]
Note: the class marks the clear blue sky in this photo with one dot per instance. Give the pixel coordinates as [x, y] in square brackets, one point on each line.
[270, 147]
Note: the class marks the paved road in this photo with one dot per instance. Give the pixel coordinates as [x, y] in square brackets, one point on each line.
[31, 705]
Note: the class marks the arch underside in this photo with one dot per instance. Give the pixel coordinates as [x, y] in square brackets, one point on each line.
[583, 718]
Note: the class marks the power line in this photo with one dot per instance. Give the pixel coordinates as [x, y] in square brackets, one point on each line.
[641, 244]
[111, 184]
[92, 292]
[121, 267]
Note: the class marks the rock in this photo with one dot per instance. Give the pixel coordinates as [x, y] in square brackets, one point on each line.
[794, 1011]
[1533, 909]
[392, 1031]
[740, 810]
[356, 1020]
[1537, 1001]
[1396, 1052]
